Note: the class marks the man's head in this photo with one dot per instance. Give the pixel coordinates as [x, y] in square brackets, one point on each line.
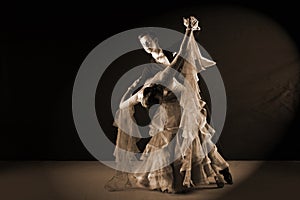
[149, 42]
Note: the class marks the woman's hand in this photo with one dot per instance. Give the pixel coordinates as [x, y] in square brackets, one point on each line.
[194, 23]
[191, 23]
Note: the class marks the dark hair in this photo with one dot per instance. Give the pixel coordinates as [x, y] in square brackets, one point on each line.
[151, 95]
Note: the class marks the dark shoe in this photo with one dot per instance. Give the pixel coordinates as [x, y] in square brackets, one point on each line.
[183, 191]
[219, 181]
[227, 175]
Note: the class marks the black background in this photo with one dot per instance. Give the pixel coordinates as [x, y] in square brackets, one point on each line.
[43, 46]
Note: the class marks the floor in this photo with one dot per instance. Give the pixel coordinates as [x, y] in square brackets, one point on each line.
[84, 180]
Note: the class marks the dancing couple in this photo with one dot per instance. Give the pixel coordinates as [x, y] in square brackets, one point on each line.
[178, 126]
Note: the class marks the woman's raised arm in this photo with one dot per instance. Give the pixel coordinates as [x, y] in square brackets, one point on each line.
[165, 77]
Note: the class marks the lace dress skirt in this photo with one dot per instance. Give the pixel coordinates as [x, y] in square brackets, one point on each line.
[177, 174]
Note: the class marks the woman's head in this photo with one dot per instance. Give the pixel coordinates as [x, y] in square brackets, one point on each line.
[152, 95]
